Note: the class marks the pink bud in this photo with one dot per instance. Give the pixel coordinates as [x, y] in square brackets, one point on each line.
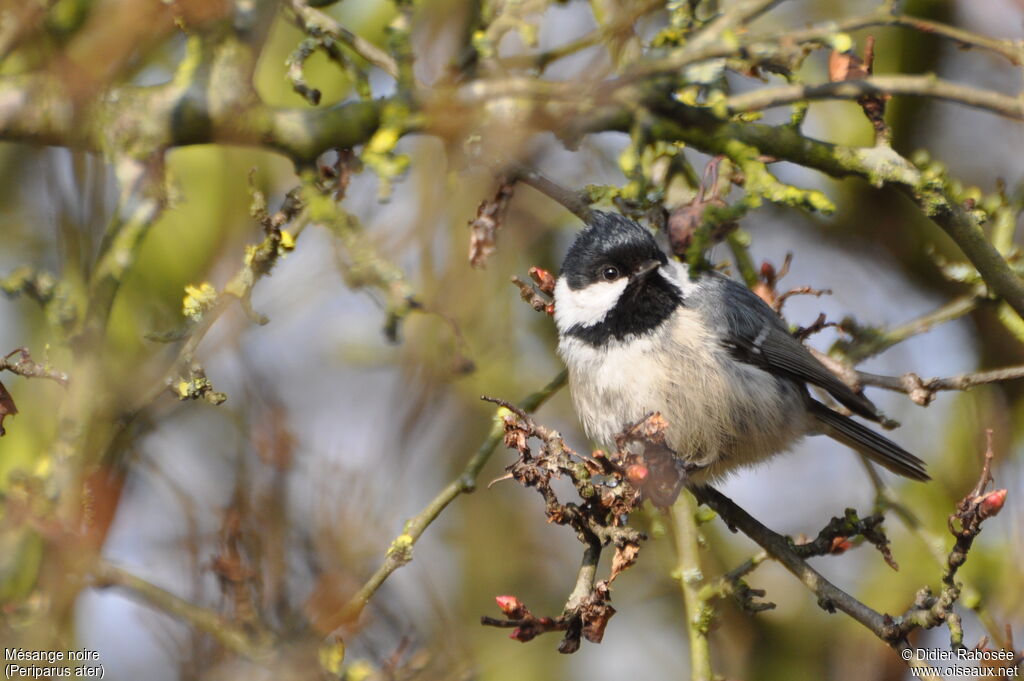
[840, 545]
[511, 606]
[637, 473]
[992, 503]
[543, 279]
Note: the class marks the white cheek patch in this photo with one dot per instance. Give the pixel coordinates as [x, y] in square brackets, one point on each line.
[587, 306]
[678, 274]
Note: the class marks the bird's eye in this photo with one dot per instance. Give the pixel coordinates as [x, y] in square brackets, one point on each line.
[610, 273]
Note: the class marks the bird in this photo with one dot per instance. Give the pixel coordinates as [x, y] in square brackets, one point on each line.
[641, 333]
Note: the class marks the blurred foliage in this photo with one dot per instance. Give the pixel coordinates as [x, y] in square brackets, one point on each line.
[184, 224]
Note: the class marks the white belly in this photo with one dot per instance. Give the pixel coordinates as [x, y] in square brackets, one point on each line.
[721, 413]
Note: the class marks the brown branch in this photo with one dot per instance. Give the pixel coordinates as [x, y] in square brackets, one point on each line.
[965, 525]
[927, 611]
[922, 391]
[25, 366]
[767, 45]
[318, 24]
[599, 518]
[835, 537]
[733, 17]
[229, 635]
[869, 341]
[1011, 50]
[399, 553]
[575, 202]
[917, 86]
[830, 597]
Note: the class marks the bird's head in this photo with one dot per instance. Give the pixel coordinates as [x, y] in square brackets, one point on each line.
[611, 285]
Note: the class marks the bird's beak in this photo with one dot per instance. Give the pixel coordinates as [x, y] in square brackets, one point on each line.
[645, 270]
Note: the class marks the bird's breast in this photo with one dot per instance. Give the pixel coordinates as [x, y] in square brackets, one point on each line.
[720, 412]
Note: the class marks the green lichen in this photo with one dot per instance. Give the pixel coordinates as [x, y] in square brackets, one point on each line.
[759, 182]
[197, 300]
[401, 549]
[379, 153]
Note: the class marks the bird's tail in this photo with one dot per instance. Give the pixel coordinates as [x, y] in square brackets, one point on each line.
[879, 449]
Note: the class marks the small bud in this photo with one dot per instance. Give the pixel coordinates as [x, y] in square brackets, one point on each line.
[523, 635]
[992, 503]
[511, 606]
[545, 282]
[840, 545]
[767, 271]
[637, 473]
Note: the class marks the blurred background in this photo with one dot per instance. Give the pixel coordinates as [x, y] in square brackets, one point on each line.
[284, 499]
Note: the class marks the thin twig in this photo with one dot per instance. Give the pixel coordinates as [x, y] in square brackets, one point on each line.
[868, 342]
[575, 202]
[731, 584]
[917, 86]
[400, 551]
[927, 611]
[690, 575]
[922, 391]
[765, 45]
[27, 367]
[830, 597]
[737, 15]
[541, 60]
[316, 23]
[1012, 50]
[229, 635]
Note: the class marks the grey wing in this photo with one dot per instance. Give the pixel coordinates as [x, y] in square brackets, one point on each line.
[755, 334]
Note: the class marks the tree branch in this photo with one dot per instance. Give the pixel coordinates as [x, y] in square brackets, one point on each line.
[878, 165]
[917, 86]
[830, 597]
[229, 635]
[25, 366]
[690, 576]
[317, 23]
[1011, 50]
[399, 552]
[922, 391]
[734, 17]
[869, 341]
[927, 611]
[765, 46]
[34, 109]
[573, 201]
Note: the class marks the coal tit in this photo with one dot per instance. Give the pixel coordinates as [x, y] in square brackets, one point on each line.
[639, 335]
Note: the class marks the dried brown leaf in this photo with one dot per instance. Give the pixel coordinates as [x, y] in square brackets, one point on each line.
[485, 226]
[545, 280]
[7, 407]
[624, 558]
